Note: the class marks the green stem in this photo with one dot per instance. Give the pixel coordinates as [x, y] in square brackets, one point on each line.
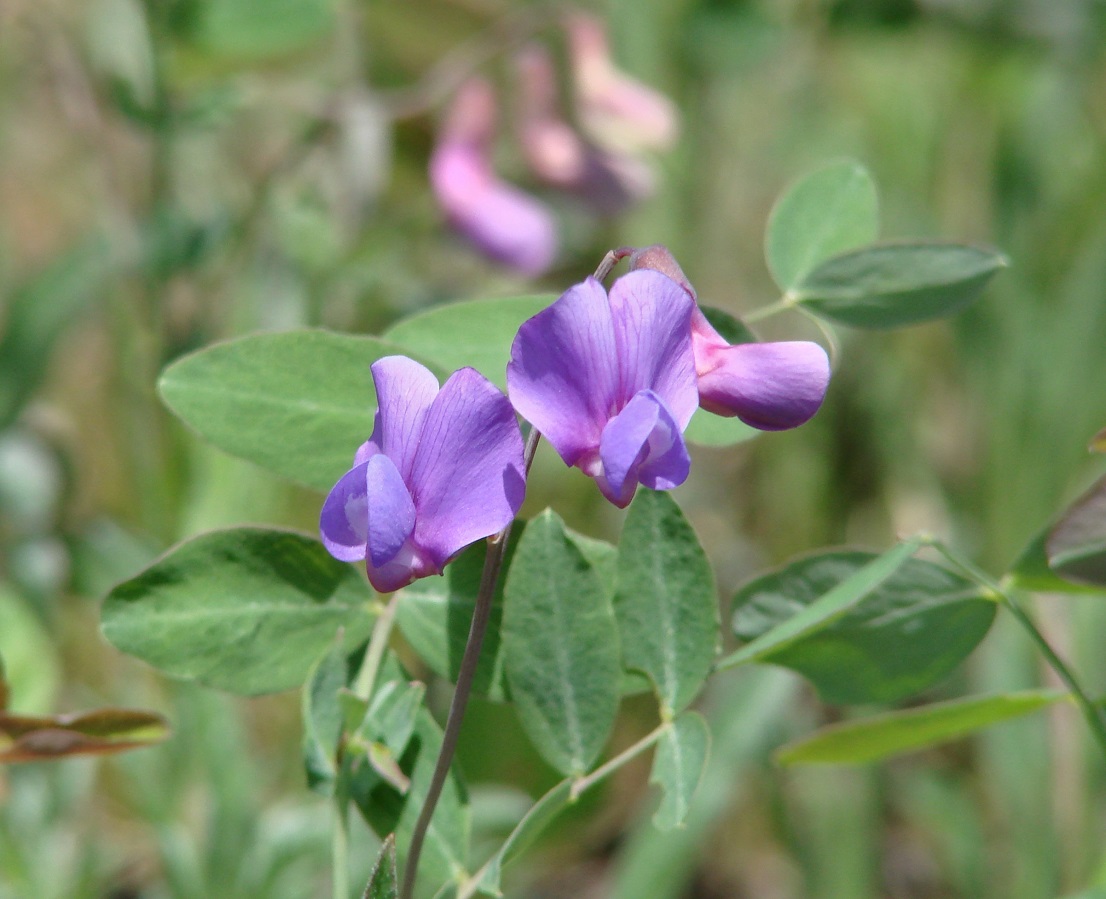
[339, 849]
[588, 781]
[493, 562]
[781, 305]
[1090, 711]
[374, 654]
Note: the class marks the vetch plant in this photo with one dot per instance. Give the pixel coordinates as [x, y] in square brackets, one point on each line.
[622, 382]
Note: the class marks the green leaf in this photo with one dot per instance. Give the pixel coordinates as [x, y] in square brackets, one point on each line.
[35, 739]
[897, 284]
[908, 730]
[560, 647]
[435, 613]
[33, 668]
[527, 830]
[392, 714]
[475, 332]
[678, 767]
[730, 328]
[246, 610]
[383, 883]
[258, 29]
[1076, 545]
[887, 626]
[322, 714]
[820, 614]
[297, 403]
[831, 210]
[37, 313]
[1032, 572]
[666, 605]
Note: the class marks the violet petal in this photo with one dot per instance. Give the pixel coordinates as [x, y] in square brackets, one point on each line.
[404, 391]
[468, 479]
[344, 519]
[642, 444]
[391, 511]
[771, 386]
[563, 374]
[652, 322]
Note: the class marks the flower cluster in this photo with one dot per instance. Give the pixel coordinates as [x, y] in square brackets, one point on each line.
[610, 379]
[600, 163]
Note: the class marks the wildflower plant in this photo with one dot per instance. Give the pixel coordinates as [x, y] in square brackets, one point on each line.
[420, 536]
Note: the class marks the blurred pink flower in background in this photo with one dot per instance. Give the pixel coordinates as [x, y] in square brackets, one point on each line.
[556, 152]
[616, 111]
[505, 223]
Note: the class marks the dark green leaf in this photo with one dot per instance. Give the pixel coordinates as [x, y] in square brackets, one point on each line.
[666, 605]
[827, 212]
[908, 730]
[678, 766]
[1076, 545]
[297, 403]
[36, 739]
[560, 647]
[731, 329]
[322, 714]
[898, 633]
[383, 883]
[476, 332]
[247, 609]
[897, 284]
[392, 714]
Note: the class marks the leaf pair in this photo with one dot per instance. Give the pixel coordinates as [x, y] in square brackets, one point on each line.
[820, 250]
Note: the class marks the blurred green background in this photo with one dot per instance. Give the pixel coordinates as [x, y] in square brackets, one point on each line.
[174, 172]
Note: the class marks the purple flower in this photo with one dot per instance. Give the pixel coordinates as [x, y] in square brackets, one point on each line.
[442, 469]
[610, 382]
[505, 223]
[771, 386]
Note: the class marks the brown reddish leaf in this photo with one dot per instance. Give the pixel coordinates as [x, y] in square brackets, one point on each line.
[26, 738]
[1076, 546]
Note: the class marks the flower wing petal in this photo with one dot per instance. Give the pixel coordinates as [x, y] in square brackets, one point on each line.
[563, 373]
[642, 444]
[344, 519]
[404, 391]
[468, 478]
[771, 386]
[391, 511]
[652, 323]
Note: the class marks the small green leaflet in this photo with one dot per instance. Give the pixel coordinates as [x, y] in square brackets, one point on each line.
[678, 767]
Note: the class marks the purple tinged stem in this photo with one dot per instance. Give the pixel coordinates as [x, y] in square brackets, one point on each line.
[493, 563]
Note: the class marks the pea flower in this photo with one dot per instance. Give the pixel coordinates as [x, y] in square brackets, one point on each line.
[609, 381]
[770, 386]
[505, 223]
[442, 469]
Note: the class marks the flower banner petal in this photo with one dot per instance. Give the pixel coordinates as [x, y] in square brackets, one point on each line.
[563, 374]
[651, 314]
[468, 478]
[390, 510]
[404, 391]
[771, 386]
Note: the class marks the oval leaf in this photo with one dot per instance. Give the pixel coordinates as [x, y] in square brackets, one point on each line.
[678, 767]
[247, 610]
[476, 332]
[893, 285]
[914, 625]
[1076, 545]
[666, 604]
[560, 647]
[827, 212]
[298, 403]
[908, 730]
[36, 739]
